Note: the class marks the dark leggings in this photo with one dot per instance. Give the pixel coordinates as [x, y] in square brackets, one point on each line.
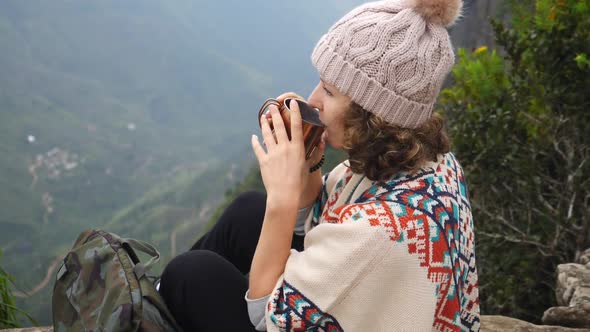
[204, 288]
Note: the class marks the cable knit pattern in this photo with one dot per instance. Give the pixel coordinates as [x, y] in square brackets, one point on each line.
[388, 58]
[383, 256]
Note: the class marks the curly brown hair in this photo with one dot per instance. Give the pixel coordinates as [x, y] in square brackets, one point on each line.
[380, 150]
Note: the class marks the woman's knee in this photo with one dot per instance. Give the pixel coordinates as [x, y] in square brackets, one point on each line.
[192, 265]
[197, 272]
[246, 210]
[194, 278]
[250, 199]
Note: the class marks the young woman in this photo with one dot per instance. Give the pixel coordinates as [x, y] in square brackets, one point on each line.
[384, 241]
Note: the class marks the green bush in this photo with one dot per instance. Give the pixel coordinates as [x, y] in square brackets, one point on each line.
[519, 121]
[9, 313]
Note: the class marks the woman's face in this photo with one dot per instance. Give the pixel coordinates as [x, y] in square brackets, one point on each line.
[332, 105]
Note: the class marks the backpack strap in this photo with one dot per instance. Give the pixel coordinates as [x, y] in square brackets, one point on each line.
[84, 237]
[141, 268]
[150, 292]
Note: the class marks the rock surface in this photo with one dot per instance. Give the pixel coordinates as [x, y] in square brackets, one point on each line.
[573, 298]
[573, 294]
[31, 329]
[507, 324]
[585, 258]
[488, 324]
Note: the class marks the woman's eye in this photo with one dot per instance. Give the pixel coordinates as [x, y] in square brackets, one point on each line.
[328, 92]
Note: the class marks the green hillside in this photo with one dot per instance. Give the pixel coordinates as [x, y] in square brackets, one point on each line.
[253, 181]
[109, 119]
[134, 116]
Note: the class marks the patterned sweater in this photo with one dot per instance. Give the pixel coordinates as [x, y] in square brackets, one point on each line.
[383, 256]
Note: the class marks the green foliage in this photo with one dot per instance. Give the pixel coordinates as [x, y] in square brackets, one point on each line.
[9, 313]
[582, 61]
[75, 75]
[519, 126]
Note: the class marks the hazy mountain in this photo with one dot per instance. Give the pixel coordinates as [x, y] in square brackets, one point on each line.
[134, 115]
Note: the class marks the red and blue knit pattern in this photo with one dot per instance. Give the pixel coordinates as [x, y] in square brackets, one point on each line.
[292, 311]
[430, 213]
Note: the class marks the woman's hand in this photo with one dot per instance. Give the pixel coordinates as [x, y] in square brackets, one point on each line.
[313, 184]
[283, 166]
[317, 154]
[286, 177]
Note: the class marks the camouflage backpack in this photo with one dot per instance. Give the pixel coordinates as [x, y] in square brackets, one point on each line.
[102, 286]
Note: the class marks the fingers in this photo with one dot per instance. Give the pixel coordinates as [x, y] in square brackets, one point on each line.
[296, 126]
[267, 134]
[278, 125]
[258, 150]
[286, 95]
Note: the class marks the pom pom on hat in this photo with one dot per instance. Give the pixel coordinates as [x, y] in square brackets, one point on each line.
[443, 12]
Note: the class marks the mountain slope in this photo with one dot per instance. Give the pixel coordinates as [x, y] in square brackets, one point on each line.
[108, 108]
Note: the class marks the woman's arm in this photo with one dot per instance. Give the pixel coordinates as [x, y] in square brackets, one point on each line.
[285, 175]
[274, 246]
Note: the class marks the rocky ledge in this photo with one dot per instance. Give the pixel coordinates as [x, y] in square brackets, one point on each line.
[573, 300]
[507, 324]
[30, 329]
[488, 324]
[572, 294]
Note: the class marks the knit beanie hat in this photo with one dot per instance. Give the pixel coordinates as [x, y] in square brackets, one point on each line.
[391, 57]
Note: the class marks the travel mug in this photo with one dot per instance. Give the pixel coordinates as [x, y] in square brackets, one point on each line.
[311, 124]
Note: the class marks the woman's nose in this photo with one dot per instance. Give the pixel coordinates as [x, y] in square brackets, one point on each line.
[314, 105]
[314, 101]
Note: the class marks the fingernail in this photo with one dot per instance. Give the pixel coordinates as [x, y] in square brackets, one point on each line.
[254, 137]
